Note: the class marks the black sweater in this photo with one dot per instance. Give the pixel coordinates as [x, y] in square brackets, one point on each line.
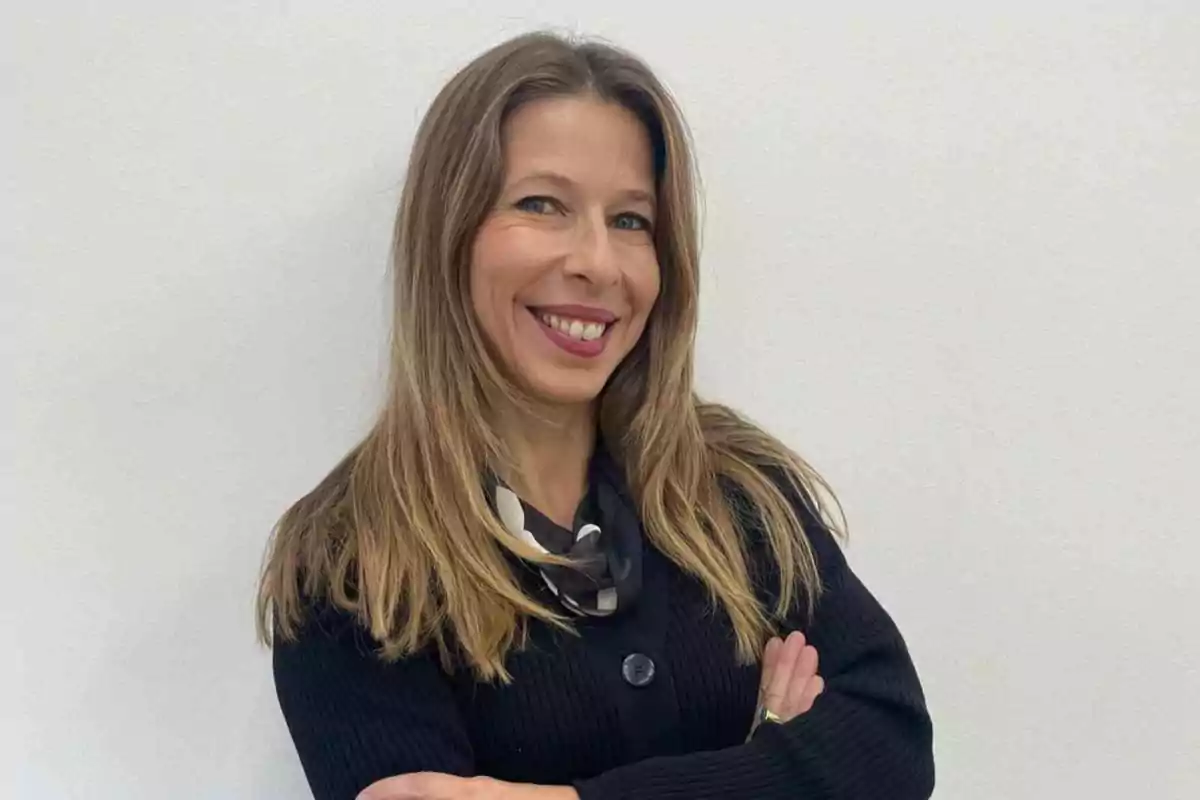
[580, 711]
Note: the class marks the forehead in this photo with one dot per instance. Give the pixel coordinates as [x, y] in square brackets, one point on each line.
[588, 140]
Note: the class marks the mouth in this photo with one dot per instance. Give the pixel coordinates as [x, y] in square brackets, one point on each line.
[579, 331]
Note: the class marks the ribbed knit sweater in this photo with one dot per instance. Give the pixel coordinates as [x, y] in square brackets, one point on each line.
[574, 714]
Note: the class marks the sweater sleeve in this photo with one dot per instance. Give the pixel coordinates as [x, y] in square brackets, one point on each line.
[868, 735]
[355, 719]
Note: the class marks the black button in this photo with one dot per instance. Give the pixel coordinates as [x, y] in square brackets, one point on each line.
[637, 669]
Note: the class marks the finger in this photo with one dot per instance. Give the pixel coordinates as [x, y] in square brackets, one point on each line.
[777, 690]
[814, 689]
[769, 663]
[413, 786]
[802, 676]
[397, 787]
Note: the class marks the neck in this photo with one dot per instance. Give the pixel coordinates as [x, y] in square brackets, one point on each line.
[550, 454]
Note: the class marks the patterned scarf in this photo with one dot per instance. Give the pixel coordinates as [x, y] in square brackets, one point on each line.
[605, 544]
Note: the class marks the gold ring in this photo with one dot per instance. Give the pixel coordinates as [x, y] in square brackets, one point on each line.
[770, 716]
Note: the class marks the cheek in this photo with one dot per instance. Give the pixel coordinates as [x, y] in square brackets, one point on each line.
[505, 259]
[481, 303]
[646, 283]
[491, 275]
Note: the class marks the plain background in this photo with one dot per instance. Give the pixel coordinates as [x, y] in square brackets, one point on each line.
[954, 260]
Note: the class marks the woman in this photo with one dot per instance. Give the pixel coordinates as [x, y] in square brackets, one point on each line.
[549, 571]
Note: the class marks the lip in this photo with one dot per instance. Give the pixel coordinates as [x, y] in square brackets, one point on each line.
[583, 313]
[576, 347]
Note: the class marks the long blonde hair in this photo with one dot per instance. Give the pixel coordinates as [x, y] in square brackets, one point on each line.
[400, 533]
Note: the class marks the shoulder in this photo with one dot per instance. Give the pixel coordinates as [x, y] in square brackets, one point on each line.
[332, 648]
[819, 527]
[323, 629]
[819, 516]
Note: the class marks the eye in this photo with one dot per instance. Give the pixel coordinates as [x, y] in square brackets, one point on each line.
[632, 222]
[538, 204]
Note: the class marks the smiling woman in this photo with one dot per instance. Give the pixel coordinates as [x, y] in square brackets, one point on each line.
[550, 570]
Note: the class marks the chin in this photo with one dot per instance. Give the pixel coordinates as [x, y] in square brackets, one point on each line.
[566, 389]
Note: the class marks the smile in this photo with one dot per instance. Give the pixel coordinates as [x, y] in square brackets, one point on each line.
[579, 331]
[583, 330]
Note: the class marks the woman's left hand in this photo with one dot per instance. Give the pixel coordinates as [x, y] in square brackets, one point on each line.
[437, 786]
[790, 683]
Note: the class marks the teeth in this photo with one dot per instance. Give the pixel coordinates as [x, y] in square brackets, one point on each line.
[575, 328]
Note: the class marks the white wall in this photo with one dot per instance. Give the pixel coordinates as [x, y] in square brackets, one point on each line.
[953, 260]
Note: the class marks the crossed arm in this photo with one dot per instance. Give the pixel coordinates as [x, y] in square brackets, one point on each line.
[867, 735]
[790, 685]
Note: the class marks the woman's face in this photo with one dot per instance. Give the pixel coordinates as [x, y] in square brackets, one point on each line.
[563, 270]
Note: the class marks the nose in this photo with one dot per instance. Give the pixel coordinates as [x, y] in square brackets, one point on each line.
[593, 256]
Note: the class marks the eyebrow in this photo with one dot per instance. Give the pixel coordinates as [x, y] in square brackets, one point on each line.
[549, 176]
